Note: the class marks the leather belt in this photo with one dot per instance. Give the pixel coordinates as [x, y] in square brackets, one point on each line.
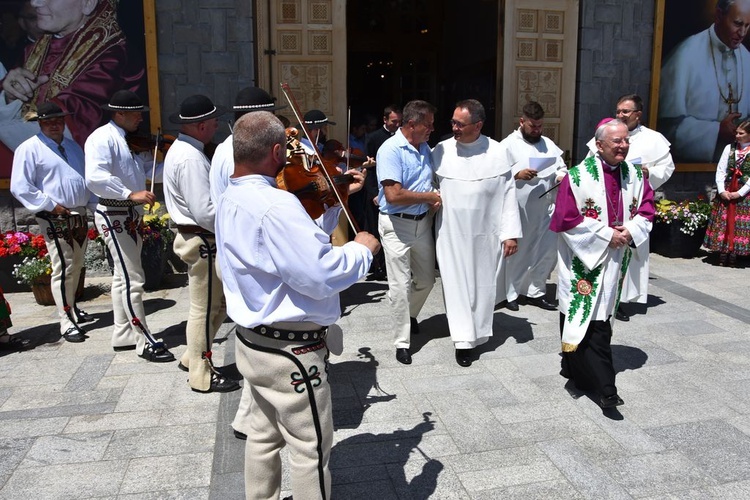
[408, 216]
[109, 202]
[190, 229]
[286, 335]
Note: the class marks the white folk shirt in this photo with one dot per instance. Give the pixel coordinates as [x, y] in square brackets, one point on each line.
[112, 169]
[690, 102]
[41, 178]
[479, 212]
[277, 264]
[528, 270]
[222, 166]
[186, 184]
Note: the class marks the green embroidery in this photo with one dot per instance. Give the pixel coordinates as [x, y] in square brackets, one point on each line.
[591, 209]
[623, 270]
[624, 170]
[575, 175]
[582, 287]
[590, 164]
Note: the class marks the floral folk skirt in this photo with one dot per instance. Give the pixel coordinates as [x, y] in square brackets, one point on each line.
[716, 233]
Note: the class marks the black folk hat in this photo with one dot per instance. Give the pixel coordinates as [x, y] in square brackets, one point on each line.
[45, 111]
[315, 118]
[196, 108]
[255, 99]
[125, 100]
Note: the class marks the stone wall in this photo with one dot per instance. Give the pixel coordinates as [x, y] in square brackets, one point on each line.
[206, 48]
[614, 58]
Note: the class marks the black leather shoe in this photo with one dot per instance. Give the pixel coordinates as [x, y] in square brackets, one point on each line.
[121, 348]
[621, 315]
[220, 384]
[511, 305]
[240, 435]
[157, 353]
[542, 303]
[83, 316]
[464, 357]
[414, 326]
[74, 334]
[611, 401]
[403, 356]
[182, 367]
[13, 343]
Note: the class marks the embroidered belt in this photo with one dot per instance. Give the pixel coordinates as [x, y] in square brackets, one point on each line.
[408, 216]
[109, 202]
[286, 335]
[190, 229]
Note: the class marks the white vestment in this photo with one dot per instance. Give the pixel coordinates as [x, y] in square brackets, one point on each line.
[693, 77]
[527, 272]
[479, 212]
[652, 149]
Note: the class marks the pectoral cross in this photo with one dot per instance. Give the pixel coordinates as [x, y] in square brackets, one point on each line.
[730, 100]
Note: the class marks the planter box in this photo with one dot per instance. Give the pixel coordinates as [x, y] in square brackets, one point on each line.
[668, 240]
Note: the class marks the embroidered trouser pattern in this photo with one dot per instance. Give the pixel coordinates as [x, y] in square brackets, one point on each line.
[66, 246]
[207, 307]
[120, 228]
[291, 405]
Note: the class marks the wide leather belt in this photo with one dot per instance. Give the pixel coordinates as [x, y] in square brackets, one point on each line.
[190, 229]
[285, 335]
[408, 216]
[109, 202]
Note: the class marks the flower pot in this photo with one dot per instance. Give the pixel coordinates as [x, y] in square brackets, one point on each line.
[154, 262]
[42, 289]
[8, 282]
[669, 240]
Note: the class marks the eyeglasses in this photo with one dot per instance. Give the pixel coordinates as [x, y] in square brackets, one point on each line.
[460, 125]
[624, 111]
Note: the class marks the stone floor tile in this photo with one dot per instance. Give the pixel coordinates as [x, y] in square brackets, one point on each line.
[67, 449]
[173, 472]
[66, 481]
[161, 441]
[112, 421]
[27, 427]
[543, 490]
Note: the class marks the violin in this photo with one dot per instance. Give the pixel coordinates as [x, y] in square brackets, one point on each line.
[147, 144]
[305, 179]
[317, 183]
[335, 150]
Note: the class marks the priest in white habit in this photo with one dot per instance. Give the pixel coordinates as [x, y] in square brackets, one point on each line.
[604, 208]
[476, 228]
[651, 150]
[705, 86]
[537, 165]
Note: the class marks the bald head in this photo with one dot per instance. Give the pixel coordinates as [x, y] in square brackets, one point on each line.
[259, 142]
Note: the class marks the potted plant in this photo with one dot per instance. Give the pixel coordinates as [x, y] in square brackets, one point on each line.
[36, 272]
[14, 247]
[157, 239]
[679, 227]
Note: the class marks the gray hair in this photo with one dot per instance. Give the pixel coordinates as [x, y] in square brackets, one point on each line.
[417, 111]
[255, 134]
[475, 109]
[599, 135]
[724, 5]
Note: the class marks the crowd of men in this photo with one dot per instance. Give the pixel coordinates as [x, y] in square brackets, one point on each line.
[495, 216]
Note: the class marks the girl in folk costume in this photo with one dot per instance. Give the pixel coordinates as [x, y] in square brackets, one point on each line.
[729, 228]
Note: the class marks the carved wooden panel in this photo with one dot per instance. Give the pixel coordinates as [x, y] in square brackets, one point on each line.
[540, 39]
[319, 12]
[311, 84]
[319, 43]
[289, 12]
[290, 42]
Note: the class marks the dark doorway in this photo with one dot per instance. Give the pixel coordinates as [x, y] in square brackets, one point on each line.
[441, 51]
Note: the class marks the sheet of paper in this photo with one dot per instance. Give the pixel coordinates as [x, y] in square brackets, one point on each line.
[544, 165]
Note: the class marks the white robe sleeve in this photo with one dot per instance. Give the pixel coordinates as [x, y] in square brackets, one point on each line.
[589, 241]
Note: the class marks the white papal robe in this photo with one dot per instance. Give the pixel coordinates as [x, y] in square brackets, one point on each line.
[693, 77]
[652, 149]
[479, 212]
[527, 273]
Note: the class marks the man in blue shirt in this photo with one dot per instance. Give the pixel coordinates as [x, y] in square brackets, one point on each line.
[406, 200]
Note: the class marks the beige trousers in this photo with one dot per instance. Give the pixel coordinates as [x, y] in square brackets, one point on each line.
[291, 405]
[120, 227]
[66, 244]
[409, 249]
[207, 306]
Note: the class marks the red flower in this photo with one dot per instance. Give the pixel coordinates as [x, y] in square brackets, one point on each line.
[590, 212]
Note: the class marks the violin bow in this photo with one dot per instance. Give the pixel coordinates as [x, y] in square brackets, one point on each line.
[295, 109]
[153, 166]
[348, 134]
[551, 189]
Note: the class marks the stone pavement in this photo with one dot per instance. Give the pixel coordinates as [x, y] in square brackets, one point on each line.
[80, 421]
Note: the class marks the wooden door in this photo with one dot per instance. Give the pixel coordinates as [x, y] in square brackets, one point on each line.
[539, 63]
[303, 43]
